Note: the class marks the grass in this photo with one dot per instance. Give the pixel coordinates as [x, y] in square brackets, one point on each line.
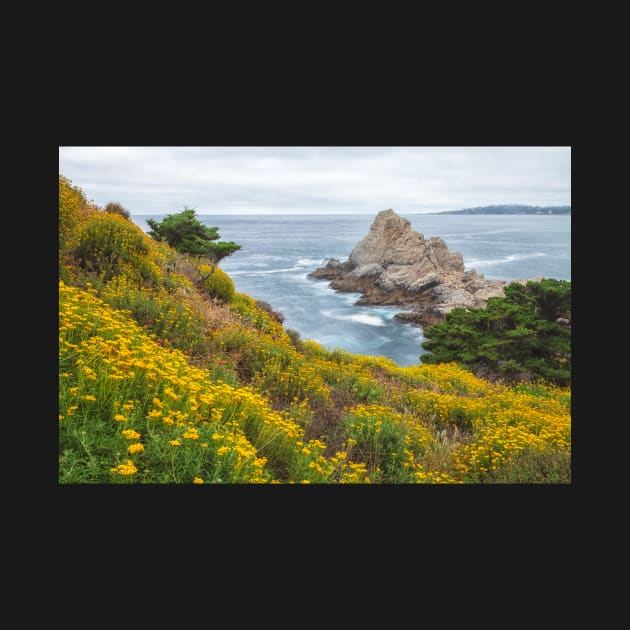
[161, 383]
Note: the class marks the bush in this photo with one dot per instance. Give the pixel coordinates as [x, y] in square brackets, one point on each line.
[518, 336]
[531, 466]
[115, 208]
[109, 245]
[184, 232]
[387, 442]
[167, 316]
[217, 283]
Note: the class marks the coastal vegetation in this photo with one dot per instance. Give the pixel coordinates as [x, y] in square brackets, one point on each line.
[168, 375]
[188, 235]
[526, 334]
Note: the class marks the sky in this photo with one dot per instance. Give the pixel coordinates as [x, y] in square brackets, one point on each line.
[317, 180]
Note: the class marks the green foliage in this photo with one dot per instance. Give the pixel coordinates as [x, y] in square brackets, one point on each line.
[513, 335]
[157, 384]
[531, 466]
[170, 319]
[217, 283]
[115, 208]
[109, 245]
[188, 235]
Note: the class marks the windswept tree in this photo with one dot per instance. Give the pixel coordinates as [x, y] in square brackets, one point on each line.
[185, 233]
[526, 332]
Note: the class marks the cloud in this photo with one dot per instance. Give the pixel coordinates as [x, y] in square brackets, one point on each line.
[319, 180]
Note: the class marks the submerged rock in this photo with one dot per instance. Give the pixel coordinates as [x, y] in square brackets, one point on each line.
[396, 265]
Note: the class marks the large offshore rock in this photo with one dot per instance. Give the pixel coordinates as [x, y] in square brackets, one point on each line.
[394, 264]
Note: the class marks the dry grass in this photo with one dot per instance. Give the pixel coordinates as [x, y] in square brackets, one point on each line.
[439, 456]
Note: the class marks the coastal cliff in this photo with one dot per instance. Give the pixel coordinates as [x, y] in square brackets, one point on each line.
[395, 265]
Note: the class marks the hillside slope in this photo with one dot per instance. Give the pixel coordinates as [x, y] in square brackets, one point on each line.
[162, 381]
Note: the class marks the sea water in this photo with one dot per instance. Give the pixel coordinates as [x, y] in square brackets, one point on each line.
[279, 251]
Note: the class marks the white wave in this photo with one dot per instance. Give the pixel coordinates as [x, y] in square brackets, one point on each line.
[262, 273]
[372, 320]
[349, 298]
[506, 259]
[387, 313]
[305, 262]
[361, 318]
[267, 257]
[315, 284]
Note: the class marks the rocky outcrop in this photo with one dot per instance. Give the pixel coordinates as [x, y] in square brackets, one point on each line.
[395, 265]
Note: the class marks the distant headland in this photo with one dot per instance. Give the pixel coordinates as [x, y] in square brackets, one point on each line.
[510, 209]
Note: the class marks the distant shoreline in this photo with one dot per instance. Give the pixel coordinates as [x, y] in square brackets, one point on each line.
[513, 209]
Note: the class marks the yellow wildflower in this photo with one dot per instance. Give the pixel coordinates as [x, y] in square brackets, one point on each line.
[130, 434]
[138, 447]
[125, 469]
[191, 434]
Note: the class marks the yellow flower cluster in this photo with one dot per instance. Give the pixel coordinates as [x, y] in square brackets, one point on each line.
[167, 314]
[298, 380]
[138, 447]
[391, 443]
[252, 315]
[164, 387]
[129, 468]
[510, 422]
[130, 434]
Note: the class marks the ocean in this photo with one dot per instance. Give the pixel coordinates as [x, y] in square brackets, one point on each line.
[279, 251]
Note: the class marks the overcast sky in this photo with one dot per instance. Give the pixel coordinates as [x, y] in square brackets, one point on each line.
[318, 180]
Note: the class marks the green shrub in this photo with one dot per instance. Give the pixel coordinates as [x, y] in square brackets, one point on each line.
[524, 334]
[188, 235]
[390, 444]
[217, 283]
[166, 315]
[109, 245]
[531, 466]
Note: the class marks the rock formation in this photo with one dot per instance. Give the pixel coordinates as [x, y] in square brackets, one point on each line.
[395, 265]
